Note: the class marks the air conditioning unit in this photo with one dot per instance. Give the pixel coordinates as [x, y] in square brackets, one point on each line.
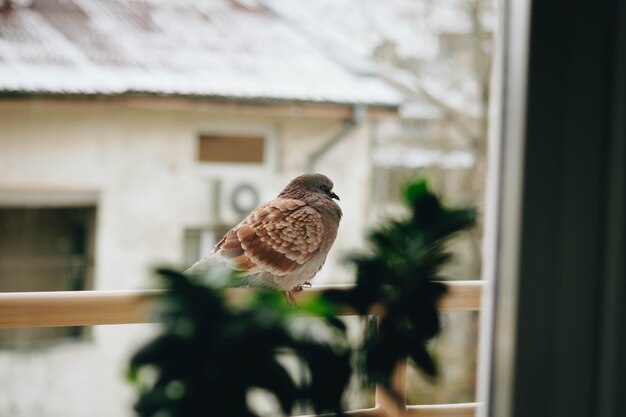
[234, 198]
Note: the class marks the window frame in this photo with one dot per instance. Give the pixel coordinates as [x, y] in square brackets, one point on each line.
[51, 199]
[554, 332]
[208, 168]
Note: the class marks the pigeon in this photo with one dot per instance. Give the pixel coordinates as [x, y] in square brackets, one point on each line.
[281, 244]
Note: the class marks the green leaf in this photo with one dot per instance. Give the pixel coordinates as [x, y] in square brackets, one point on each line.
[414, 191]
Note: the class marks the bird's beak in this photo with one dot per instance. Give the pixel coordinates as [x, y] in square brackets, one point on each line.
[333, 195]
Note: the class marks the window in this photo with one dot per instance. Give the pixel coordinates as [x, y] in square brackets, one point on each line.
[198, 242]
[45, 249]
[234, 149]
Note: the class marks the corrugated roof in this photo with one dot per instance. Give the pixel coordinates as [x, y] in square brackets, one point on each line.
[213, 48]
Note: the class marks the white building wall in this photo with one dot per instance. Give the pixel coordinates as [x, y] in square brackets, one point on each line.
[141, 161]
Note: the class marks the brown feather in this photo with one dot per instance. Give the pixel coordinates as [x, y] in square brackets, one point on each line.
[231, 246]
[242, 263]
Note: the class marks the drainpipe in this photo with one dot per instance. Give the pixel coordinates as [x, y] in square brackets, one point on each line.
[359, 114]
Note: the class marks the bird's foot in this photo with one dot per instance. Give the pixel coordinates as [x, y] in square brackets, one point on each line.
[291, 297]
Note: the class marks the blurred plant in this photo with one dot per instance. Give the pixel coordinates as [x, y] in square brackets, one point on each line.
[399, 278]
[213, 353]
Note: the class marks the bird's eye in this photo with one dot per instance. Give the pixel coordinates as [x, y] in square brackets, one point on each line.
[323, 188]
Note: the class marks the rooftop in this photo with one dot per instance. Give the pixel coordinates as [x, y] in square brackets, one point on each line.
[222, 49]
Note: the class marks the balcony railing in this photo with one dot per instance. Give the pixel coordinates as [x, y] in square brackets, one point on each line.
[88, 308]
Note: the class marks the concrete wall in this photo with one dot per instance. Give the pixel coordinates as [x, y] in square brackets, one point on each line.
[139, 161]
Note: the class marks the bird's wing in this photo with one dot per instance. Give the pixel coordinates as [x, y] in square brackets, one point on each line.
[277, 238]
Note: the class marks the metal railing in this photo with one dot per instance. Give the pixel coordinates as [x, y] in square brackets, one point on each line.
[87, 308]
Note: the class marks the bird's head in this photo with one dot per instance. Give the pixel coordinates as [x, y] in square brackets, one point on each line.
[309, 183]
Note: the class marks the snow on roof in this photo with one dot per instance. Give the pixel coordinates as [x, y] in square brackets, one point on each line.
[213, 48]
[359, 26]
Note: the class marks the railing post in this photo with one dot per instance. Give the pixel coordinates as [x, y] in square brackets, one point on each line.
[394, 404]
